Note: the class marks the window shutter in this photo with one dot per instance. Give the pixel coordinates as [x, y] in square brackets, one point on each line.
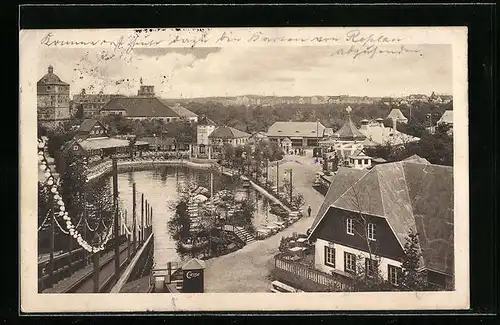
[345, 262]
[326, 254]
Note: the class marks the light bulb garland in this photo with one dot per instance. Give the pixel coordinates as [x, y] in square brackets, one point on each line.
[70, 228]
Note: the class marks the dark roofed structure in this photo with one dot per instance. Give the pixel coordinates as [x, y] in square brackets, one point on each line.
[349, 132]
[227, 132]
[417, 159]
[51, 79]
[343, 179]
[206, 121]
[182, 111]
[87, 125]
[410, 195]
[296, 129]
[140, 107]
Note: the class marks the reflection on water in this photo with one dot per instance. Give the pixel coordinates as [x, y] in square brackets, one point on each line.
[160, 189]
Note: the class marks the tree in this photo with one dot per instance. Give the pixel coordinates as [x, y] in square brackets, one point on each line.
[244, 215]
[179, 225]
[412, 279]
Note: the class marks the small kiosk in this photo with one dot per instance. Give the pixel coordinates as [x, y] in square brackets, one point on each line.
[193, 276]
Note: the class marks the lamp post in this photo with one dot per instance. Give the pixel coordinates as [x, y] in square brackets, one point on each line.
[277, 177]
[291, 187]
[156, 143]
[317, 133]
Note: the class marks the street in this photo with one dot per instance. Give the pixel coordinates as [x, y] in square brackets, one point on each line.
[247, 269]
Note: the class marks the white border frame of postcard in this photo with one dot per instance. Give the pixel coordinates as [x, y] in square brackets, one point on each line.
[32, 301]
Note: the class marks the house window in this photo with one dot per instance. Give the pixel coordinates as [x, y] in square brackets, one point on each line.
[366, 161]
[330, 256]
[371, 231]
[349, 262]
[370, 266]
[394, 274]
[349, 228]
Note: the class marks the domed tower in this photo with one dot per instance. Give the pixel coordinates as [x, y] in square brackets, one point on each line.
[52, 99]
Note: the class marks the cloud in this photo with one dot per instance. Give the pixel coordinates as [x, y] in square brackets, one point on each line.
[242, 70]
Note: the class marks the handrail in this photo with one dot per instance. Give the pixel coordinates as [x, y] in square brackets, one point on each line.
[128, 271]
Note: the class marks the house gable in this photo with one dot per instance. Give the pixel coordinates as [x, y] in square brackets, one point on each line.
[333, 229]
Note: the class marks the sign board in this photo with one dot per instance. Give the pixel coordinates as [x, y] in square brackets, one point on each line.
[193, 281]
[193, 276]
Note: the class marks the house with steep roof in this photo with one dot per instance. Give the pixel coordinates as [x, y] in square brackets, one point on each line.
[302, 134]
[446, 118]
[184, 113]
[367, 215]
[92, 141]
[226, 134]
[257, 137]
[360, 160]
[142, 107]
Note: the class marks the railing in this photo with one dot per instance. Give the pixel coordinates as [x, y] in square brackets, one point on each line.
[67, 263]
[303, 271]
[129, 271]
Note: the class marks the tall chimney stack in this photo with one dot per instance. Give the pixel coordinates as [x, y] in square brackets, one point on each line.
[394, 123]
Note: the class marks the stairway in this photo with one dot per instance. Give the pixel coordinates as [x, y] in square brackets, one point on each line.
[244, 235]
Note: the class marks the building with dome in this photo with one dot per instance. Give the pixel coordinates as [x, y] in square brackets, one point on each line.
[52, 99]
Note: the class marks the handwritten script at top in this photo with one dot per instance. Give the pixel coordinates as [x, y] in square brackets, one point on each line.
[357, 44]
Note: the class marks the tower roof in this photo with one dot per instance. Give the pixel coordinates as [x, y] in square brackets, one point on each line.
[50, 78]
[397, 115]
[349, 131]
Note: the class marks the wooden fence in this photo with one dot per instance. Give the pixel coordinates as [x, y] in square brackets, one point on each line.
[303, 271]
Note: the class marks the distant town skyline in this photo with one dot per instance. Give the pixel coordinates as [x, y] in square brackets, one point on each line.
[254, 71]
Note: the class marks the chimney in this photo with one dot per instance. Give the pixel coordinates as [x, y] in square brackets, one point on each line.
[394, 123]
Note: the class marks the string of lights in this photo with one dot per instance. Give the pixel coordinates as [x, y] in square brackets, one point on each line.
[50, 180]
[89, 228]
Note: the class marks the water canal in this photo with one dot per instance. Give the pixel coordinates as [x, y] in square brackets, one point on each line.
[160, 188]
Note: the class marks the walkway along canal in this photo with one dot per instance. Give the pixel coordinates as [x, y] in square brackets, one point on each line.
[160, 185]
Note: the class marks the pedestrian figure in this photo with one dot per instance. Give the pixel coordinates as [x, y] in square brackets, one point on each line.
[309, 211]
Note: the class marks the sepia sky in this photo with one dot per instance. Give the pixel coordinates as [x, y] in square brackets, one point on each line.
[233, 71]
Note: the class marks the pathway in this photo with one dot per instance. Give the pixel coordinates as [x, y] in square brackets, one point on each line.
[247, 269]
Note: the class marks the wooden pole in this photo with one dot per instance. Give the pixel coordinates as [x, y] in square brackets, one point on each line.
[52, 244]
[95, 259]
[277, 177]
[147, 210]
[151, 216]
[267, 172]
[134, 212]
[142, 206]
[116, 221]
[142, 228]
[291, 187]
